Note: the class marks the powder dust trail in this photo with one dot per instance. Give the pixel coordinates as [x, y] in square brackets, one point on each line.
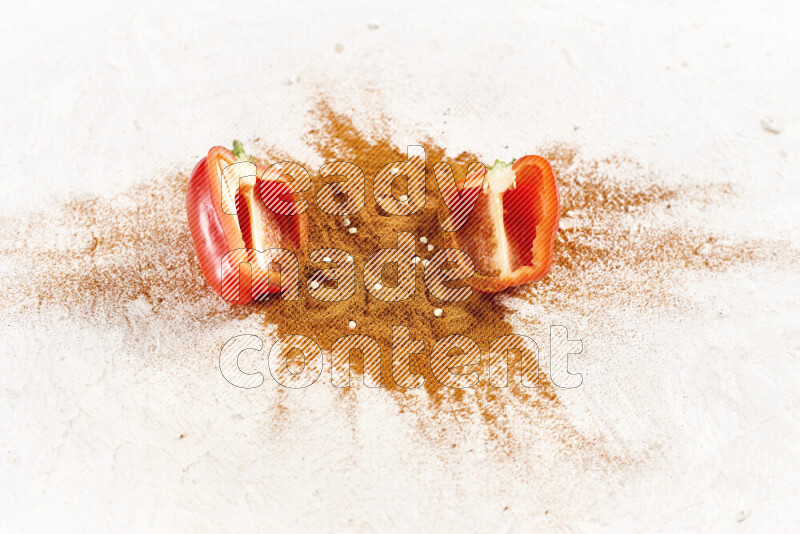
[623, 236]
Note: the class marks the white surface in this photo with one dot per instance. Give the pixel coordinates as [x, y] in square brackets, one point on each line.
[96, 98]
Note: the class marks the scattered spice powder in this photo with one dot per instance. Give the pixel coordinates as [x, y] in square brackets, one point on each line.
[130, 260]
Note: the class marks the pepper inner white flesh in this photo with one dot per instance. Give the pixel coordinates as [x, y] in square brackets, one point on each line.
[243, 175]
[499, 179]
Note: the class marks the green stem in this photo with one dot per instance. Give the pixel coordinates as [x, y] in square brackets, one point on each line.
[502, 164]
[238, 151]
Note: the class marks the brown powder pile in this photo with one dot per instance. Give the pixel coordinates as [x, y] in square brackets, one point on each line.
[482, 317]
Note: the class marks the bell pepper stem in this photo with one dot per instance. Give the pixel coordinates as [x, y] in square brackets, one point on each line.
[238, 151]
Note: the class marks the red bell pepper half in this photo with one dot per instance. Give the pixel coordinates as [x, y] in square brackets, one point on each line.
[229, 222]
[510, 228]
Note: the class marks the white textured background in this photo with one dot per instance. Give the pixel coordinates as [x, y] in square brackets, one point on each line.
[98, 97]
